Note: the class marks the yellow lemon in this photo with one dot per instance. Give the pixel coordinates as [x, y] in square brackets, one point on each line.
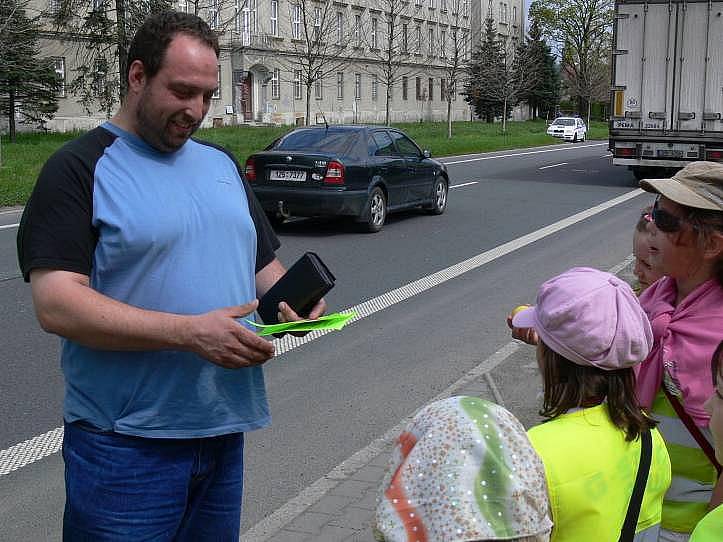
[519, 309]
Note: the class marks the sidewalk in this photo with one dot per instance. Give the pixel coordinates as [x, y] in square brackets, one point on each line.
[341, 506]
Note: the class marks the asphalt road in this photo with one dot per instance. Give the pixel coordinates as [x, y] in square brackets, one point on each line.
[332, 396]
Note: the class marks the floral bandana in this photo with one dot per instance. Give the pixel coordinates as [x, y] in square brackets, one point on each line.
[463, 470]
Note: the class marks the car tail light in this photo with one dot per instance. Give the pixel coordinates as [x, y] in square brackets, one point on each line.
[624, 151]
[714, 155]
[334, 173]
[250, 170]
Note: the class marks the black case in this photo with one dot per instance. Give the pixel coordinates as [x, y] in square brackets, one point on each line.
[303, 285]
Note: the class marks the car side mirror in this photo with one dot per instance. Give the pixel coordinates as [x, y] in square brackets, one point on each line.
[426, 153]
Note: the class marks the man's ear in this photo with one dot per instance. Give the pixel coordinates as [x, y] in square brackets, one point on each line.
[136, 76]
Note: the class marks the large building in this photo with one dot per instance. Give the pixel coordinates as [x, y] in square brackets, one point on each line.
[271, 50]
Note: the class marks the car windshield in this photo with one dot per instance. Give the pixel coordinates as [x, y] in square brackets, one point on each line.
[333, 141]
[564, 122]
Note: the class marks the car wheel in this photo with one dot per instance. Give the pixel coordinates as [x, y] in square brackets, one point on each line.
[574, 138]
[276, 219]
[439, 195]
[376, 211]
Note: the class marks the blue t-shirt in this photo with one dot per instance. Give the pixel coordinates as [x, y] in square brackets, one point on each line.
[175, 232]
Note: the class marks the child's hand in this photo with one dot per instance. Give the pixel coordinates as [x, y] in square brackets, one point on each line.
[525, 334]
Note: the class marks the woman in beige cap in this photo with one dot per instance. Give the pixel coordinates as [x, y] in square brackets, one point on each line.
[686, 313]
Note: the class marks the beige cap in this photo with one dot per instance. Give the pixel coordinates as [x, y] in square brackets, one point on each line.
[698, 185]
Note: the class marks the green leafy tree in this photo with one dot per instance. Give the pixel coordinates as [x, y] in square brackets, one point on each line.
[544, 96]
[485, 85]
[28, 83]
[581, 30]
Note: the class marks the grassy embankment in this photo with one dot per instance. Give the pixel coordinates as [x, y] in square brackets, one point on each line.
[22, 161]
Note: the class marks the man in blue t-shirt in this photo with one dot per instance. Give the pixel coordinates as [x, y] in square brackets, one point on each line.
[145, 249]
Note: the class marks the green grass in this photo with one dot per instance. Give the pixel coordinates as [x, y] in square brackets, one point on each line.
[22, 161]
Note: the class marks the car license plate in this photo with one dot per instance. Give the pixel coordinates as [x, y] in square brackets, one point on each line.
[287, 175]
[670, 153]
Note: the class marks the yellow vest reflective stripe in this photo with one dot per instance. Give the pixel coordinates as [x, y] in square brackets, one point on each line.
[710, 528]
[590, 470]
[686, 502]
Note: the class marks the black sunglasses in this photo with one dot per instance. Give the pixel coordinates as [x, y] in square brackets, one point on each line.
[665, 221]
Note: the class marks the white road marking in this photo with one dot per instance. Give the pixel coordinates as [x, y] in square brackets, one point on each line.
[464, 184]
[11, 211]
[32, 450]
[269, 526]
[8, 226]
[553, 165]
[524, 153]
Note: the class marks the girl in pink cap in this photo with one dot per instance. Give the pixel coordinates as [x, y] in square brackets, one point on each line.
[606, 465]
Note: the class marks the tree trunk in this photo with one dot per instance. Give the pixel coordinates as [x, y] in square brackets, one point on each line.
[504, 116]
[122, 47]
[449, 117]
[308, 104]
[11, 116]
[389, 99]
[589, 107]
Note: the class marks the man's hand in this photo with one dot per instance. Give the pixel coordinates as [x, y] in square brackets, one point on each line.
[287, 314]
[525, 334]
[219, 338]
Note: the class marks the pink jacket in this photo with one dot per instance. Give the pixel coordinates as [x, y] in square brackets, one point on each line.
[685, 338]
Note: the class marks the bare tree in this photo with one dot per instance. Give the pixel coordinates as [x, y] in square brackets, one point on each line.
[454, 44]
[388, 39]
[320, 36]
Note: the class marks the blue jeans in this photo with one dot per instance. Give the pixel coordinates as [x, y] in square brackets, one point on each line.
[123, 488]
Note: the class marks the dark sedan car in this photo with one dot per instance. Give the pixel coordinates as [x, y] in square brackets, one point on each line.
[363, 172]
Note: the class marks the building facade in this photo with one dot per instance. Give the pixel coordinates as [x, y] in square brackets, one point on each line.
[272, 50]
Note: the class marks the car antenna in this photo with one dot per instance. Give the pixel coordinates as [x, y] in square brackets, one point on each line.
[324, 118]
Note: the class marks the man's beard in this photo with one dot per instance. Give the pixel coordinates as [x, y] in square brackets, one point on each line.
[157, 136]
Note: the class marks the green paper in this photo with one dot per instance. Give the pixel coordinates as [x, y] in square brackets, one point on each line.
[334, 321]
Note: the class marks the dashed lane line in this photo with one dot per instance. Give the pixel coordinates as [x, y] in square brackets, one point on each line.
[36, 448]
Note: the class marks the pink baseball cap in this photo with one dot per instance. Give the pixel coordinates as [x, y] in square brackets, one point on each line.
[591, 318]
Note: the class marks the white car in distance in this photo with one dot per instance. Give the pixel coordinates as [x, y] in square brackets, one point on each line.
[568, 128]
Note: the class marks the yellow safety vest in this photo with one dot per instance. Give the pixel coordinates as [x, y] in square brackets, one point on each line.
[590, 470]
[710, 528]
[694, 476]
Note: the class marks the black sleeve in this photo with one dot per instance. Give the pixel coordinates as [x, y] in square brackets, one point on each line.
[56, 229]
[266, 241]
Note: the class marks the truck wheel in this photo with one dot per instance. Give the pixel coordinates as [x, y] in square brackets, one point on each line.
[640, 172]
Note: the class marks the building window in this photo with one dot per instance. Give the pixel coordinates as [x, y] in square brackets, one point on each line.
[443, 5]
[405, 38]
[339, 28]
[213, 14]
[297, 84]
[443, 43]
[99, 77]
[375, 27]
[245, 19]
[514, 15]
[53, 7]
[418, 87]
[465, 8]
[375, 87]
[417, 2]
[275, 18]
[357, 86]
[59, 66]
[276, 84]
[443, 89]
[430, 89]
[465, 45]
[405, 88]
[340, 85]
[357, 30]
[296, 22]
[418, 45]
[431, 42]
[317, 23]
[453, 90]
[217, 93]
[431, 4]
[318, 87]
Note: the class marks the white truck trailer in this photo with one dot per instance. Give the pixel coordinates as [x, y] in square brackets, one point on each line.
[667, 84]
